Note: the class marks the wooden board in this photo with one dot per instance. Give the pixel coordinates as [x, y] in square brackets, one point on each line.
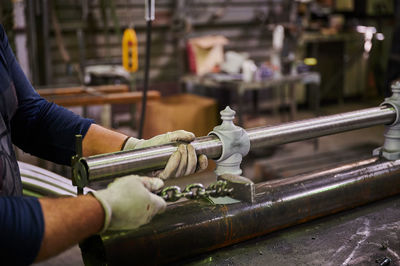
[111, 98]
[83, 90]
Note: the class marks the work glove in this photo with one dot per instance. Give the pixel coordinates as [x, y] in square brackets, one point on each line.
[128, 202]
[182, 162]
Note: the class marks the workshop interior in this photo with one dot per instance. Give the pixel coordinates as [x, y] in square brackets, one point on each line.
[296, 104]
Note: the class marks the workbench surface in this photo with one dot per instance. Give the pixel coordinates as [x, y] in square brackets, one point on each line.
[355, 237]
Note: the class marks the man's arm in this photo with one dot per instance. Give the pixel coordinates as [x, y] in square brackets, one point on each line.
[36, 229]
[67, 222]
[126, 204]
[184, 161]
[99, 140]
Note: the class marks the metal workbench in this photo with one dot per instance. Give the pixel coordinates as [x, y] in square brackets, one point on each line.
[359, 236]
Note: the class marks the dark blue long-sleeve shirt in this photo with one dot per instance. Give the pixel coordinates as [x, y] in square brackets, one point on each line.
[40, 128]
[21, 230]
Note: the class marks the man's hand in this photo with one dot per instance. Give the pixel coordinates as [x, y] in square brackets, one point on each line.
[128, 202]
[182, 162]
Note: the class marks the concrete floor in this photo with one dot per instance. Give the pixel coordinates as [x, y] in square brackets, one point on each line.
[356, 237]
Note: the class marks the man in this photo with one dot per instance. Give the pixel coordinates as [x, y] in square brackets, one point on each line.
[34, 229]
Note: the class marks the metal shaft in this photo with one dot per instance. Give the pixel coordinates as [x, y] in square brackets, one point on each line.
[147, 159]
[321, 126]
[123, 163]
[190, 228]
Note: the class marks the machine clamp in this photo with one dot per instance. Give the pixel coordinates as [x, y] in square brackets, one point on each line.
[235, 144]
[391, 147]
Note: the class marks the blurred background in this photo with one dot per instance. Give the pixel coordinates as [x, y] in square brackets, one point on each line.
[271, 60]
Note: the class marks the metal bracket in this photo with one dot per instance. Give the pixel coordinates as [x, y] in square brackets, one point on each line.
[242, 188]
[79, 176]
[391, 146]
[235, 144]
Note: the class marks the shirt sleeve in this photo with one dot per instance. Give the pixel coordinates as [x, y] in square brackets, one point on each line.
[21, 230]
[39, 127]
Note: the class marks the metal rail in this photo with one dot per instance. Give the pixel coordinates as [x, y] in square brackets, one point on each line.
[128, 162]
[321, 126]
[38, 182]
[190, 228]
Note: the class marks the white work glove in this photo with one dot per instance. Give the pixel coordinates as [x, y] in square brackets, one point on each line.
[128, 202]
[182, 162]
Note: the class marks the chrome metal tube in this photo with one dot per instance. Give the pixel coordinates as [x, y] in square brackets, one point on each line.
[147, 159]
[123, 163]
[320, 126]
[41, 182]
[190, 228]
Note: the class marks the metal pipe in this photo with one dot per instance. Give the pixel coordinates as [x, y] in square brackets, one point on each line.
[321, 126]
[123, 163]
[128, 162]
[191, 227]
[41, 182]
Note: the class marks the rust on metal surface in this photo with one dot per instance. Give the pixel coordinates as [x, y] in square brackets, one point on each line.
[190, 228]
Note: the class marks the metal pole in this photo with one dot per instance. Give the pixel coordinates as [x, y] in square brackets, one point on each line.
[321, 126]
[46, 42]
[20, 38]
[34, 65]
[127, 162]
[190, 228]
[123, 163]
[149, 16]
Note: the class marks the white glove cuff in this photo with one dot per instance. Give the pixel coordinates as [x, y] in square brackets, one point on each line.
[107, 211]
[131, 143]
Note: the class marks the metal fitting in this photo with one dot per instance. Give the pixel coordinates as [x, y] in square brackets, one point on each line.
[391, 146]
[235, 144]
[242, 188]
[79, 176]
